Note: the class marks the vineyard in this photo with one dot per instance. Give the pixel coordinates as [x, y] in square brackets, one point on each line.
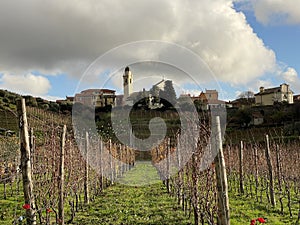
[61, 185]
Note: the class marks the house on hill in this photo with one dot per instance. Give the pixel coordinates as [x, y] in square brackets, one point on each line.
[96, 97]
[209, 99]
[269, 96]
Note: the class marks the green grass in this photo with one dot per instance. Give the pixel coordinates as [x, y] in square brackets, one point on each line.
[243, 209]
[11, 207]
[140, 199]
[142, 174]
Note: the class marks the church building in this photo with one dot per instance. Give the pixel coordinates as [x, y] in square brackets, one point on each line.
[127, 86]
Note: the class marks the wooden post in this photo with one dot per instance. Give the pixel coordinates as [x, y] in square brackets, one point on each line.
[256, 171]
[111, 163]
[25, 162]
[271, 173]
[101, 163]
[32, 147]
[168, 165]
[241, 168]
[195, 186]
[61, 213]
[180, 173]
[228, 159]
[222, 186]
[86, 170]
[278, 164]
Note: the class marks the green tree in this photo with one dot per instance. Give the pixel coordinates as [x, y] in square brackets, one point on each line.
[168, 95]
[243, 117]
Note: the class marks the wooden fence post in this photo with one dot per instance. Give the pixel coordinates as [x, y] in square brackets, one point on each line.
[86, 170]
[26, 163]
[32, 148]
[241, 167]
[222, 187]
[168, 165]
[101, 164]
[180, 174]
[256, 171]
[61, 213]
[271, 173]
[195, 186]
[111, 163]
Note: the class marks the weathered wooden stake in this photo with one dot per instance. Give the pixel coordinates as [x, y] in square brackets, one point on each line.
[222, 186]
[278, 164]
[101, 164]
[180, 173]
[256, 171]
[111, 163]
[195, 185]
[86, 170]
[271, 173]
[25, 163]
[241, 167]
[61, 213]
[32, 147]
[168, 165]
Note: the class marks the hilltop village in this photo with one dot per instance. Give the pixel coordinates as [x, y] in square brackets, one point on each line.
[274, 106]
[268, 107]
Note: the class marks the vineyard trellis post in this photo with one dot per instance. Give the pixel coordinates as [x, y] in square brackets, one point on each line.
[256, 171]
[101, 164]
[221, 177]
[61, 177]
[278, 164]
[111, 163]
[32, 147]
[168, 165]
[271, 173]
[26, 163]
[180, 174]
[86, 170]
[241, 167]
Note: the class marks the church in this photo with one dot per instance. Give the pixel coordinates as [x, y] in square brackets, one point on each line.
[129, 97]
[107, 97]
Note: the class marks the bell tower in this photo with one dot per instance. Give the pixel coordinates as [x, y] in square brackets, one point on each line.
[127, 83]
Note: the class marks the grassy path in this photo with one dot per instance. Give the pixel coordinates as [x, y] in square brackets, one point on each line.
[141, 198]
[137, 204]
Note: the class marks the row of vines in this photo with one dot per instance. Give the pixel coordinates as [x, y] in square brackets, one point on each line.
[194, 183]
[265, 172]
[81, 182]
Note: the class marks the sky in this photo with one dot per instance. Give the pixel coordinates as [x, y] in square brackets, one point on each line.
[53, 49]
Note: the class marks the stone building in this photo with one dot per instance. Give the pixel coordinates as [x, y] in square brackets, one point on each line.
[96, 97]
[269, 96]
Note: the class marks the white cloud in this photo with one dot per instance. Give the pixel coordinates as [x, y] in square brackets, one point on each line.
[51, 98]
[290, 76]
[275, 11]
[25, 84]
[64, 37]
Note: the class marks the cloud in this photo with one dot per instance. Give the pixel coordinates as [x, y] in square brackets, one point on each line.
[275, 11]
[26, 84]
[290, 76]
[55, 37]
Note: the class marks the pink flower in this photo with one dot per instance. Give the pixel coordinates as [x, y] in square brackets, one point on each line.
[26, 206]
